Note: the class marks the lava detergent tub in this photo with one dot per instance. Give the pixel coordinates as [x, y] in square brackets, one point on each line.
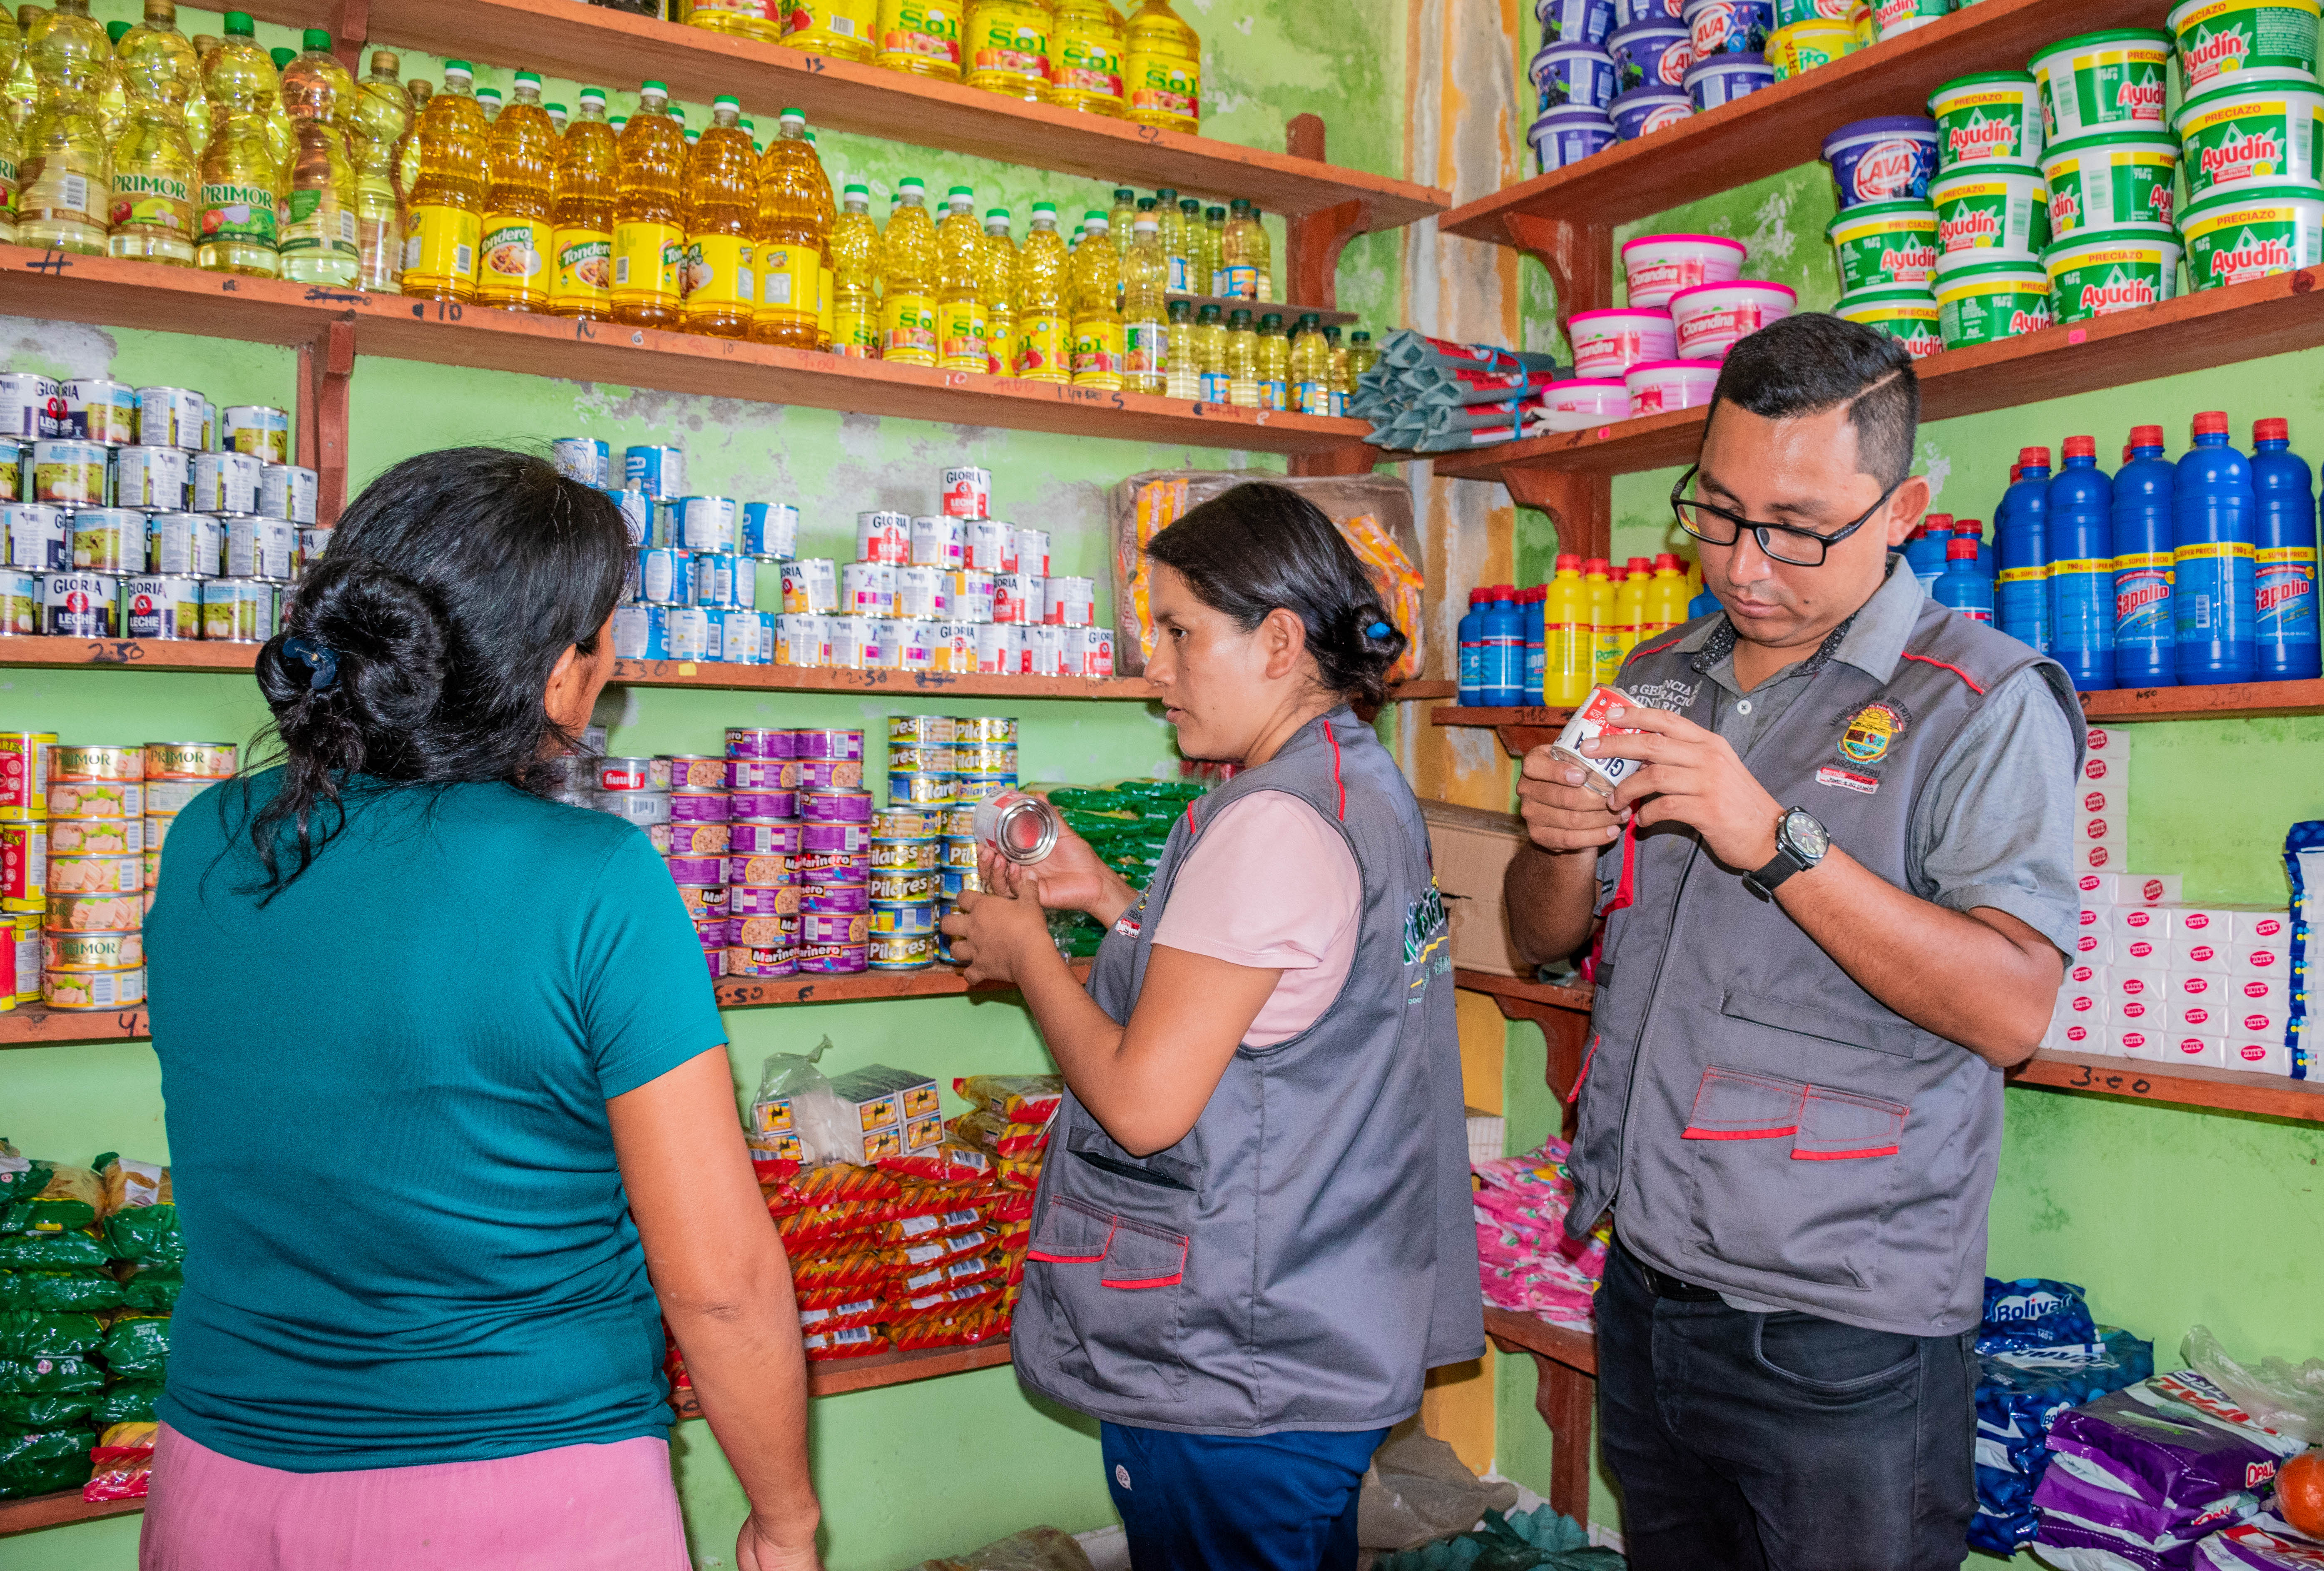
[2218, 38]
[1655, 267]
[1573, 73]
[2262, 122]
[2110, 178]
[2099, 272]
[1651, 53]
[1725, 78]
[1717, 27]
[1568, 135]
[2097, 82]
[1993, 116]
[1981, 302]
[2000, 207]
[1566, 20]
[2250, 230]
[1643, 111]
[1908, 315]
[1883, 245]
[1883, 160]
[1712, 318]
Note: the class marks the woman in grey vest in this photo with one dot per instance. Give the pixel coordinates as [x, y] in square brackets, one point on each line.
[1253, 1235]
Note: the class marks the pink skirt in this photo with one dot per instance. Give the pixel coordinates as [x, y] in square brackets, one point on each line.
[576, 1508]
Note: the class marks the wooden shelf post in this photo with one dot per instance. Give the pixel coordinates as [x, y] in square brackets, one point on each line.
[1311, 274]
[327, 364]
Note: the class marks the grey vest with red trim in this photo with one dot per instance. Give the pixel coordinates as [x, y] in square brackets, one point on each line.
[1308, 1252]
[1760, 1123]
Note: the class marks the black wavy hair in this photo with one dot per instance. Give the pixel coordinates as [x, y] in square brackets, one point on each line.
[1805, 364]
[1259, 547]
[451, 587]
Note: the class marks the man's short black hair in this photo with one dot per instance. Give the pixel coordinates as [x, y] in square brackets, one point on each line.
[1808, 364]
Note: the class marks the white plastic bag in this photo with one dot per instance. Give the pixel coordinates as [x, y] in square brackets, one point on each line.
[2278, 1396]
[826, 1125]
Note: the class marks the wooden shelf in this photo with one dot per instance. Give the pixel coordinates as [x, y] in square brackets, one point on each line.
[2189, 1086]
[1520, 730]
[1512, 989]
[837, 1376]
[1577, 1350]
[1260, 307]
[50, 1511]
[2229, 701]
[1784, 126]
[936, 981]
[34, 1025]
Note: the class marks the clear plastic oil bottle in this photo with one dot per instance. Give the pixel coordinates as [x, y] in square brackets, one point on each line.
[854, 276]
[1044, 319]
[1182, 372]
[1311, 366]
[1243, 256]
[843, 29]
[997, 285]
[1342, 381]
[907, 280]
[1120, 217]
[519, 235]
[1243, 360]
[1097, 313]
[581, 237]
[649, 214]
[1274, 363]
[65, 167]
[383, 120]
[793, 239]
[318, 243]
[155, 176]
[1145, 310]
[1211, 356]
[447, 200]
[827, 212]
[961, 324]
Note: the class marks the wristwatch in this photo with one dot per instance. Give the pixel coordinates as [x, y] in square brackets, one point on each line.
[1800, 844]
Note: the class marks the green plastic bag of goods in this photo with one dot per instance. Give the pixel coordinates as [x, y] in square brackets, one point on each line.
[44, 1462]
[72, 1198]
[32, 1334]
[141, 1214]
[137, 1347]
[128, 1402]
[85, 1291]
[25, 1411]
[1086, 799]
[81, 1247]
[151, 1287]
[20, 1176]
[63, 1372]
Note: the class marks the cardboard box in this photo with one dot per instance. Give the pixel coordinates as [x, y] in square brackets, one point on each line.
[882, 1097]
[1472, 849]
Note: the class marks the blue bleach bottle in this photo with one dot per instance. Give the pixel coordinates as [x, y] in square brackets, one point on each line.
[1925, 552]
[1533, 606]
[1471, 640]
[1963, 586]
[2079, 528]
[2021, 586]
[2146, 627]
[2283, 531]
[2211, 559]
[1504, 641]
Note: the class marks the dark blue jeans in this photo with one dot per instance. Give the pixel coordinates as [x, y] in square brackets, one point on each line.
[1781, 1442]
[1230, 1503]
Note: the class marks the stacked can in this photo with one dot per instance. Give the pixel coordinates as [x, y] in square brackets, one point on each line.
[834, 862]
[763, 846]
[175, 773]
[93, 942]
[147, 513]
[907, 841]
[957, 866]
[24, 854]
[709, 568]
[700, 814]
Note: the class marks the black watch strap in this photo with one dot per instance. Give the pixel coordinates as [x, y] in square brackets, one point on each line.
[1765, 879]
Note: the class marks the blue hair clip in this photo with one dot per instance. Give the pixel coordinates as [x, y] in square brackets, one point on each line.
[1379, 630]
[320, 661]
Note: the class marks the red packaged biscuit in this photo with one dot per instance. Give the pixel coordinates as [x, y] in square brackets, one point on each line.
[946, 1163]
[1014, 1098]
[856, 1267]
[931, 1252]
[830, 1223]
[966, 1329]
[1010, 1205]
[1019, 1173]
[935, 1224]
[858, 1309]
[852, 1342]
[955, 1273]
[989, 1132]
[947, 1299]
[836, 1181]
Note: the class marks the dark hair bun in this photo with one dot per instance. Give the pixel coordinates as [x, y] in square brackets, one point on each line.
[388, 654]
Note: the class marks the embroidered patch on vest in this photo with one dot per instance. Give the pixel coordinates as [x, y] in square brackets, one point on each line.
[1425, 921]
[1869, 731]
[1848, 780]
[1677, 696]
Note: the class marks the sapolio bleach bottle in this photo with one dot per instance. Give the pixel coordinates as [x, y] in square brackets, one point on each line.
[2145, 626]
[1504, 642]
[2283, 531]
[2079, 530]
[2212, 558]
[2020, 545]
[1925, 552]
[1470, 691]
[1963, 586]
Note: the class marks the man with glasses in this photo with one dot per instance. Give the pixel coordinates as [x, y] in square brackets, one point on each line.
[1837, 893]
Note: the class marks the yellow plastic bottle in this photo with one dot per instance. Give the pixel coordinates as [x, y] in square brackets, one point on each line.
[517, 251]
[1274, 363]
[1162, 68]
[112, 95]
[1211, 356]
[1120, 216]
[1097, 313]
[1170, 229]
[997, 285]
[23, 88]
[155, 176]
[648, 216]
[1085, 58]
[318, 242]
[1044, 320]
[382, 119]
[65, 166]
[420, 89]
[826, 214]
[1311, 368]
[581, 236]
[961, 325]
[736, 18]
[920, 38]
[558, 115]
[1145, 310]
[8, 165]
[1192, 237]
[1665, 598]
[1344, 380]
[1630, 606]
[1605, 635]
[282, 134]
[447, 200]
[1569, 638]
[1241, 360]
[237, 226]
[907, 278]
[1182, 372]
[721, 271]
[1361, 356]
[846, 29]
[1006, 46]
[1243, 256]
[856, 267]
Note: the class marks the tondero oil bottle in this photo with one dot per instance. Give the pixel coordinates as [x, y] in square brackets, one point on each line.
[448, 201]
[719, 188]
[513, 260]
[648, 233]
[581, 242]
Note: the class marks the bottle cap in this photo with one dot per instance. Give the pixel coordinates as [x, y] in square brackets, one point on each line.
[1093, 217]
[1124, 193]
[593, 96]
[959, 191]
[653, 88]
[2146, 436]
[281, 57]
[1048, 207]
[1207, 314]
[1961, 550]
[1272, 318]
[116, 31]
[1214, 212]
[2270, 431]
[386, 61]
[238, 24]
[1146, 204]
[2211, 422]
[1597, 566]
[2015, 471]
[1359, 337]
[561, 109]
[1568, 563]
[911, 185]
[993, 212]
[1241, 205]
[1668, 560]
[1638, 565]
[1145, 224]
[1936, 522]
[1476, 598]
[1973, 528]
[1190, 206]
[1165, 195]
[2033, 457]
[1239, 317]
[721, 98]
[2079, 447]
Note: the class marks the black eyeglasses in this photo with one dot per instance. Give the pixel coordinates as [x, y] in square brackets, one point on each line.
[1717, 526]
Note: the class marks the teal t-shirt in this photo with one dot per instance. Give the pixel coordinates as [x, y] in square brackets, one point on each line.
[407, 1239]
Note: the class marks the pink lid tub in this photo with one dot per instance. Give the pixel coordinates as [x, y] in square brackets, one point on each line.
[1660, 384]
[1660, 265]
[1582, 403]
[1608, 343]
[1712, 317]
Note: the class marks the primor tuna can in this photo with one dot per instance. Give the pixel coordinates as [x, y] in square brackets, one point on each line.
[92, 990]
[202, 761]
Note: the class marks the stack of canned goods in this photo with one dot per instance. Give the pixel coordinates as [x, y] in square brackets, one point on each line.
[147, 513]
[940, 768]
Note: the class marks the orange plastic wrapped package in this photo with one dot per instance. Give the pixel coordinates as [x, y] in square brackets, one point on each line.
[965, 1329]
[955, 1273]
[940, 1299]
[849, 1219]
[856, 1267]
[853, 1342]
[851, 1309]
[928, 1252]
[987, 1131]
[945, 1164]
[1019, 1173]
[918, 1228]
[1014, 1098]
[1007, 1204]
[837, 1182]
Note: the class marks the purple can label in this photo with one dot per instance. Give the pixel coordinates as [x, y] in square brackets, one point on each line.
[836, 808]
[817, 744]
[761, 741]
[763, 836]
[1573, 73]
[1568, 136]
[761, 963]
[769, 871]
[1651, 54]
[697, 771]
[830, 899]
[758, 774]
[835, 959]
[830, 775]
[839, 840]
[743, 900]
[693, 840]
[698, 807]
[833, 866]
[1730, 26]
[705, 903]
[697, 869]
[714, 932]
[816, 928]
[764, 804]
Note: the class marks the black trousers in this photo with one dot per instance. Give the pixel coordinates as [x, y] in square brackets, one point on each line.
[1781, 1442]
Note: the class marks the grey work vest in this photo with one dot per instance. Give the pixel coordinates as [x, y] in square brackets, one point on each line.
[1307, 1251]
[1760, 1123]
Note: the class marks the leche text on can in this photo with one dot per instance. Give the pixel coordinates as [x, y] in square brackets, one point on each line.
[882, 536]
[155, 606]
[30, 406]
[967, 492]
[79, 604]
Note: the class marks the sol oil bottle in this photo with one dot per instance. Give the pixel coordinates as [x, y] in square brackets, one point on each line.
[1162, 68]
[581, 241]
[154, 174]
[794, 239]
[1097, 313]
[382, 119]
[65, 165]
[1005, 46]
[920, 38]
[318, 233]
[1145, 311]
[520, 203]
[844, 29]
[1044, 323]
[447, 200]
[997, 284]
[907, 274]
[242, 180]
[827, 214]
[719, 187]
[1085, 58]
[961, 325]
[854, 272]
[649, 232]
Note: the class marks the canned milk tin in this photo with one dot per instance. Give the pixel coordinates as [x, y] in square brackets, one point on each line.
[256, 428]
[665, 575]
[658, 471]
[919, 593]
[1015, 600]
[1043, 652]
[1600, 775]
[867, 588]
[968, 492]
[999, 649]
[723, 582]
[31, 407]
[287, 491]
[815, 742]
[1023, 829]
[185, 545]
[769, 529]
[761, 741]
[37, 536]
[23, 867]
[202, 761]
[160, 608]
[109, 539]
[883, 537]
[811, 585]
[583, 459]
[1033, 552]
[1088, 651]
[969, 594]
[19, 602]
[12, 470]
[79, 604]
[1071, 602]
[92, 951]
[314, 545]
[705, 523]
[238, 610]
[98, 836]
[940, 542]
[686, 632]
[73, 472]
[803, 640]
[989, 547]
[765, 837]
[261, 547]
[99, 410]
[227, 482]
[93, 990]
[160, 477]
[637, 511]
[171, 417]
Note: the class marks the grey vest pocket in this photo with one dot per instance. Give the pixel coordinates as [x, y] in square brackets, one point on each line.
[1118, 1285]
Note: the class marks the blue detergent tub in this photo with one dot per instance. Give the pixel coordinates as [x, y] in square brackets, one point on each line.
[1642, 111]
[1565, 137]
[1723, 78]
[1573, 73]
[1885, 159]
[1654, 54]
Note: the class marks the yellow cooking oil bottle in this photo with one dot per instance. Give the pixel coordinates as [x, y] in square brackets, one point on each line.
[1182, 372]
[1569, 639]
[961, 325]
[1274, 363]
[997, 284]
[317, 243]
[242, 180]
[1097, 311]
[1361, 356]
[1243, 256]
[854, 272]
[1145, 312]
[791, 236]
[1211, 354]
[1120, 216]
[1043, 320]
[846, 29]
[719, 283]
[514, 257]
[65, 166]
[1605, 650]
[1085, 58]
[826, 210]
[1005, 46]
[920, 38]
[1343, 381]
[382, 119]
[1170, 227]
[155, 176]
[1162, 68]
[8, 165]
[1243, 360]
[113, 93]
[1311, 366]
[447, 200]
[648, 217]
[1192, 238]
[908, 279]
[407, 163]
[581, 215]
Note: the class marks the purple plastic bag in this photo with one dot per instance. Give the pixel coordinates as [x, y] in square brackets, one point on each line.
[2064, 1499]
[2151, 1440]
[2265, 1543]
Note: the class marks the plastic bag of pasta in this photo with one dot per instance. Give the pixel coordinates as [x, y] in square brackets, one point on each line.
[72, 1198]
[141, 1214]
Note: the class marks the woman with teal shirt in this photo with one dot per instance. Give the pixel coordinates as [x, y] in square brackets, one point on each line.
[450, 1113]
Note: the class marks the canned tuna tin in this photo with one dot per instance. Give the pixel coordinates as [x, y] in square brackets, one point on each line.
[1032, 553]
[69, 471]
[914, 916]
[583, 459]
[765, 837]
[833, 960]
[835, 927]
[834, 838]
[802, 640]
[987, 728]
[38, 539]
[23, 867]
[760, 774]
[831, 900]
[1014, 599]
[849, 808]
[30, 406]
[24, 775]
[998, 648]
[902, 855]
[227, 482]
[185, 545]
[830, 775]
[644, 809]
[987, 757]
[774, 962]
[696, 840]
[202, 761]
[919, 791]
[97, 876]
[901, 952]
[774, 804]
[814, 743]
[883, 537]
[937, 541]
[705, 523]
[98, 411]
[1070, 602]
[120, 800]
[160, 608]
[989, 547]
[767, 931]
[637, 511]
[763, 869]
[698, 807]
[1023, 829]
[903, 885]
[660, 472]
[895, 823]
[95, 914]
[811, 585]
[867, 588]
[695, 771]
[706, 903]
[928, 730]
[261, 547]
[758, 901]
[691, 869]
[910, 758]
[171, 417]
[633, 774]
[98, 836]
[85, 761]
[960, 850]
[967, 492]
[258, 430]
[98, 990]
[159, 477]
[769, 529]
[79, 604]
[287, 491]
[92, 951]
[238, 610]
[761, 741]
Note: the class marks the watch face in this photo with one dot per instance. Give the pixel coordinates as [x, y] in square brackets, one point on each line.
[1806, 835]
